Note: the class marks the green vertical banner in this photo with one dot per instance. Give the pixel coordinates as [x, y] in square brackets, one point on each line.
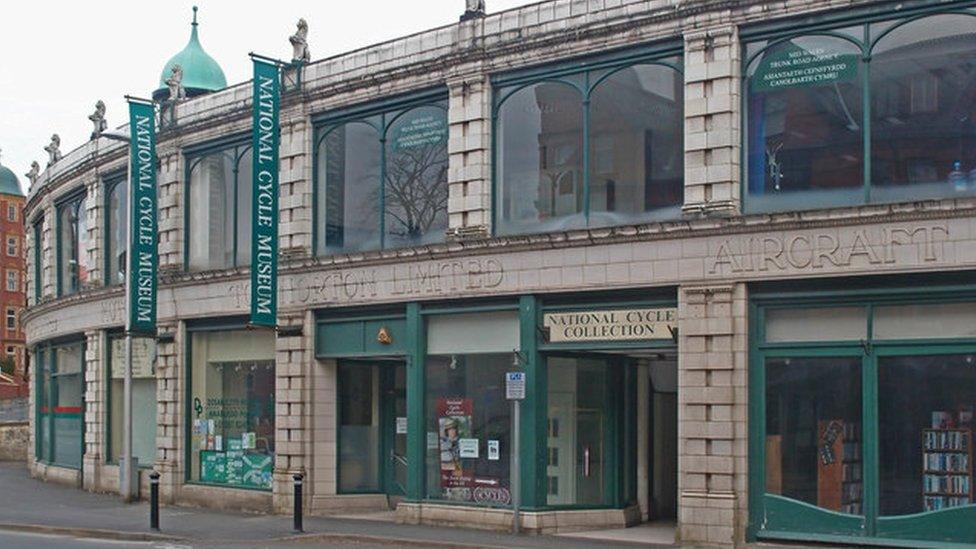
[264, 208]
[143, 256]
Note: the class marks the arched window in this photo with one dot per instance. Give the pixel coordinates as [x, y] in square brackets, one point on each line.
[392, 161]
[219, 204]
[116, 231]
[923, 117]
[805, 124]
[540, 159]
[72, 245]
[595, 148]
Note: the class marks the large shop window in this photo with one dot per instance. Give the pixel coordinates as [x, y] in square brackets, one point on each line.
[59, 405]
[143, 398]
[468, 419]
[596, 148]
[879, 112]
[232, 408]
[868, 420]
[72, 244]
[116, 230]
[219, 221]
[381, 180]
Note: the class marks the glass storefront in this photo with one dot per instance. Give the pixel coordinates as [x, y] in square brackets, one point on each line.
[232, 408]
[468, 419]
[60, 408]
[143, 398]
[867, 420]
[372, 407]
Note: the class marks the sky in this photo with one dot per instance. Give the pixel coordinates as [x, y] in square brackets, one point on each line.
[57, 59]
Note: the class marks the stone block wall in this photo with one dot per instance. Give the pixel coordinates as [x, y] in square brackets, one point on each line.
[169, 409]
[712, 68]
[14, 441]
[95, 405]
[469, 156]
[293, 399]
[170, 213]
[295, 178]
[712, 413]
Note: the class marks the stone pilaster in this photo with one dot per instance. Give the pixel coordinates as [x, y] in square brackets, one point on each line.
[293, 448]
[712, 413]
[712, 134]
[469, 156]
[95, 406]
[169, 409]
[48, 274]
[94, 204]
[170, 211]
[295, 198]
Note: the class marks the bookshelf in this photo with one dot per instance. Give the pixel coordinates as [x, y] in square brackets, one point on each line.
[840, 484]
[947, 468]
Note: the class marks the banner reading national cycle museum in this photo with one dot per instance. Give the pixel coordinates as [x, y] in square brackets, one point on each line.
[143, 260]
[264, 211]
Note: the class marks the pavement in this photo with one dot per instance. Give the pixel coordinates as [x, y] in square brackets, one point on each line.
[68, 516]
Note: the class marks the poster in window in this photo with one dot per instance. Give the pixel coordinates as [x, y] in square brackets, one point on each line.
[454, 424]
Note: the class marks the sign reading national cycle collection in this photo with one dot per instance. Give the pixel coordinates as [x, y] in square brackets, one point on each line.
[143, 260]
[264, 212]
[611, 325]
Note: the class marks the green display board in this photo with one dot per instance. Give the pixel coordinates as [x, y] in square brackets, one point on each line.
[213, 467]
[236, 468]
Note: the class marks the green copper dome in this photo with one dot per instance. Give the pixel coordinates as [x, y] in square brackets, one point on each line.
[9, 183]
[201, 74]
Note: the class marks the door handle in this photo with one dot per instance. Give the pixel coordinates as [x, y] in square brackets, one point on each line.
[586, 461]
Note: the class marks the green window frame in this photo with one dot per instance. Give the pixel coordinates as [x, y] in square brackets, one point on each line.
[380, 117]
[776, 517]
[47, 353]
[839, 26]
[236, 147]
[76, 201]
[110, 185]
[584, 76]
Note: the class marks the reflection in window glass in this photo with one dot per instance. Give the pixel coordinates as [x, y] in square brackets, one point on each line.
[117, 226]
[540, 159]
[143, 399]
[44, 412]
[816, 324]
[65, 411]
[348, 201]
[636, 163]
[219, 224]
[923, 118]
[804, 125]
[813, 432]
[232, 408]
[468, 426]
[925, 434]
[359, 428]
[415, 186]
[73, 245]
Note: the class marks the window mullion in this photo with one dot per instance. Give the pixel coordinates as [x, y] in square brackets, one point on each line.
[866, 111]
[585, 143]
[382, 182]
[237, 165]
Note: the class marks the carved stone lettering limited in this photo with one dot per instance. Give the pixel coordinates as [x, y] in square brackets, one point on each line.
[398, 280]
[813, 250]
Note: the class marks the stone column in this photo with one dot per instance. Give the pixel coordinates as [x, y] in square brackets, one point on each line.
[95, 405]
[48, 277]
[712, 136]
[169, 408]
[712, 413]
[469, 157]
[293, 351]
[94, 205]
[295, 199]
[170, 211]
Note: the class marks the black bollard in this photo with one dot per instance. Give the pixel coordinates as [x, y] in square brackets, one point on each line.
[154, 501]
[298, 502]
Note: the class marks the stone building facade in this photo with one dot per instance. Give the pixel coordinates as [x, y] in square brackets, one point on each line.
[720, 279]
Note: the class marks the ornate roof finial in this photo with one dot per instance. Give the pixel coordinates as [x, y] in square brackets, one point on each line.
[34, 173]
[299, 43]
[53, 150]
[194, 16]
[98, 119]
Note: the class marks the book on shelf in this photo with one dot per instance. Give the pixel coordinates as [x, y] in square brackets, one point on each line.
[839, 469]
[947, 465]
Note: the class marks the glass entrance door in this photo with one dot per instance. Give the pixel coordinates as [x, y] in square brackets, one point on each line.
[579, 423]
[372, 427]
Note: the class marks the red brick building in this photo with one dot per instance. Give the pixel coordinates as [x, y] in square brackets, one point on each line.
[12, 279]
